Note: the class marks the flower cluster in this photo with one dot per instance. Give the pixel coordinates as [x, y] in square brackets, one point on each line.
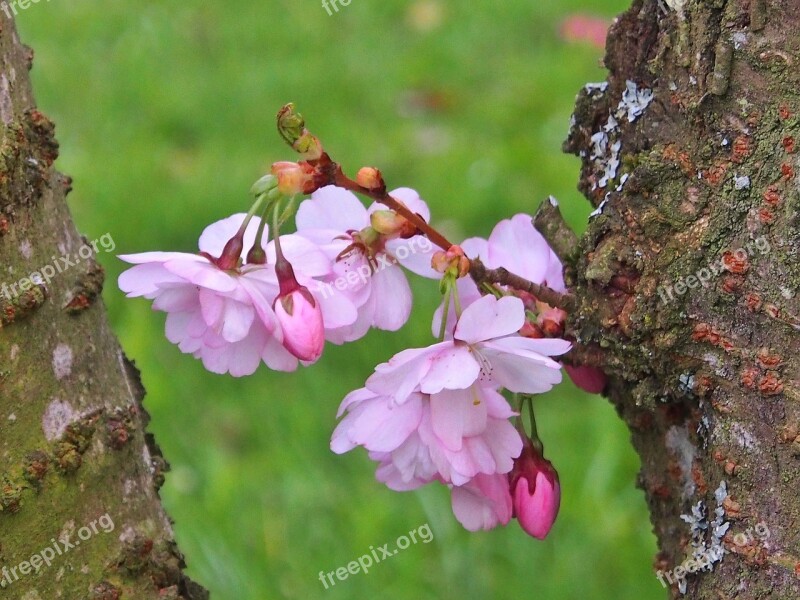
[438, 414]
[233, 313]
[450, 412]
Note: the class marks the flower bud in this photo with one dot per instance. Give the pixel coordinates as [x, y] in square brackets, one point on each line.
[387, 222]
[300, 318]
[589, 379]
[370, 178]
[535, 491]
[292, 177]
[453, 262]
[551, 320]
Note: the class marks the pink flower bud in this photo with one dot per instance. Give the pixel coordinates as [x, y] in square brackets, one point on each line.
[535, 492]
[370, 178]
[293, 178]
[589, 379]
[300, 319]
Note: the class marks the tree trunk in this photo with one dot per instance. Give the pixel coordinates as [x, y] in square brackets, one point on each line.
[80, 515]
[688, 280]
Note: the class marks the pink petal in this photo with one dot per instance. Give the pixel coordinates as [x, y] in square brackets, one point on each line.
[236, 322]
[203, 274]
[483, 503]
[306, 257]
[337, 309]
[453, 367]
[216, 235]
[489, 318]
[455, 415]
[144, 279]
[402, 374]
[331, 208]
[276, 357]
[159, 257]
[522, 374]
[179, 298]
[517, 246]
[392, 298]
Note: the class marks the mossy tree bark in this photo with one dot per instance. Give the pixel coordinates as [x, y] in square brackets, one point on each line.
[688, 279]
[80, 516]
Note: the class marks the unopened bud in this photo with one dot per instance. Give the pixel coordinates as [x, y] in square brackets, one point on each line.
[453, 262]
[531, 330]
[370, 178]
[551, 321]
[292, 178]
[290, 124]
[292, 128]
[300, 318]
[535, 491]
[309, 146]
[387, 222]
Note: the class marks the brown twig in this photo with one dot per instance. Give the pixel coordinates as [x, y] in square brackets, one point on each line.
[501, 276]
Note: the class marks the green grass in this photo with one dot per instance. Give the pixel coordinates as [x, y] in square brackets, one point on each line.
[165, 117]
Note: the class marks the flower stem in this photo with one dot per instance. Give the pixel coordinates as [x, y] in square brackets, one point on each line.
[445, 311]
[537, 443]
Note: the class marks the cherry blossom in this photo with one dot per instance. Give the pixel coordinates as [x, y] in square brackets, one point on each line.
[366, 267]
[226, 317]
[485, 347]
[451, 436]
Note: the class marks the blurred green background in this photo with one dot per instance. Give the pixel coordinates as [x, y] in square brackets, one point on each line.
[165, 117]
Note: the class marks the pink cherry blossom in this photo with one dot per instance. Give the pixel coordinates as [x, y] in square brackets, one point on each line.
[516, 246]
[536, 492]
[485, 347]
[225, 317]
[333, 219]
[484, 502]
[451, 436]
